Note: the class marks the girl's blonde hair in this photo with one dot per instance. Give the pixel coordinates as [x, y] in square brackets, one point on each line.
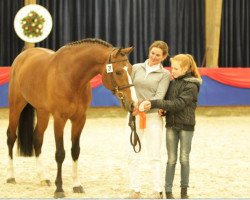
[160, 44]
[187, 62]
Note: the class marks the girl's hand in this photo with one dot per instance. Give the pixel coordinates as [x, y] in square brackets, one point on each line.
[162, 112]
[145, 106]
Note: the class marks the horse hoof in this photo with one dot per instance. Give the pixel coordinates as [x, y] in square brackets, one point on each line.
[45, 183]
[58, 195]
[78, 189]
[11, 180]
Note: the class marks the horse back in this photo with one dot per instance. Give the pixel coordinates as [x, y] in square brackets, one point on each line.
[29, 73]
[31, 58]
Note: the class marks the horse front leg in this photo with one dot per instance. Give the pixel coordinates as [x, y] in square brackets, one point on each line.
[59, 124]
[42, 124]
[77, 126]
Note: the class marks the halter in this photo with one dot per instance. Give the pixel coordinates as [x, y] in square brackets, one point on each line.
[117, 89]
[134, 138]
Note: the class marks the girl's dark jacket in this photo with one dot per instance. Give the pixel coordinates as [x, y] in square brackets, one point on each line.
[180, 102]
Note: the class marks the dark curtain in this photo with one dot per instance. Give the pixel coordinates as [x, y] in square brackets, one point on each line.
[10, 44]
[235, 34]
[126, 23]
[186, 27]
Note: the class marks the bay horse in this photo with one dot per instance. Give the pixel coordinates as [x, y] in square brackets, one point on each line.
[45, 82]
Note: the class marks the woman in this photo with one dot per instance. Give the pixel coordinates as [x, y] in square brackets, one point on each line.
[179, 107]
[151, 81]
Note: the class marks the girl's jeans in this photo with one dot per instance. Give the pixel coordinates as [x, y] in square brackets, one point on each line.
[173, 137]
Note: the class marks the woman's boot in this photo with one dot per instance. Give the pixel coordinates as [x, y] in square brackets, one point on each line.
[169, 195]
[184, 194]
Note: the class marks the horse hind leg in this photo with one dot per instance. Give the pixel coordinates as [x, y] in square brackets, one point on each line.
[42, 124]
[11, 138]
[77, 126]
[14, 114]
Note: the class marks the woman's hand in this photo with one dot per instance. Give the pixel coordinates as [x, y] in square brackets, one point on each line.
[136, 110]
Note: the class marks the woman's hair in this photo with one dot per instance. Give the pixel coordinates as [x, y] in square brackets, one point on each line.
[160, 44]
[187, 62]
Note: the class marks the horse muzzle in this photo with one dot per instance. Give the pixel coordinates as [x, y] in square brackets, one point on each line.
[128, 105]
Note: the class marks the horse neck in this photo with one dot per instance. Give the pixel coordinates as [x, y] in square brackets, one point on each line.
[83, 64]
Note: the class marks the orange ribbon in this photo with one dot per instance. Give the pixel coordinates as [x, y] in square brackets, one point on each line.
[142, 120]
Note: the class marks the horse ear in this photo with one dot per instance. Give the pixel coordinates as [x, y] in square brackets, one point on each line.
[118, 52]
[127, 50]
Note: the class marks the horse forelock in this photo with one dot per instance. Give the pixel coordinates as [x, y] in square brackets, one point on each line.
[90, 41]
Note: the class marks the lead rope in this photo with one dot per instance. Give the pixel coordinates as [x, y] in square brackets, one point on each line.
[134, 138]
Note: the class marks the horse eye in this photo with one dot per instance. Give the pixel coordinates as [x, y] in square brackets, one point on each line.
[118, 73]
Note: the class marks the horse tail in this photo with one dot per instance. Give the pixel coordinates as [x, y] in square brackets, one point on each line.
[26, 131]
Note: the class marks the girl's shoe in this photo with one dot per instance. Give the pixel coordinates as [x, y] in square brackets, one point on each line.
[184, 194]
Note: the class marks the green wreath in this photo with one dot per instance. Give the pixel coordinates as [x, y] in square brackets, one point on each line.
[32, 24]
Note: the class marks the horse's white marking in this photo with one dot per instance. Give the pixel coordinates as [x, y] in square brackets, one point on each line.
[10, 168]
[132, 89]
[75, 177]
[40, 169]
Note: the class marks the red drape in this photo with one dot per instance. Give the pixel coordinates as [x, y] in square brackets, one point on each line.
[237, 77]
[4, 75]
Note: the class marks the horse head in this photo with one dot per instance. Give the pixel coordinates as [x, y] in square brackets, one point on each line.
[116, 77]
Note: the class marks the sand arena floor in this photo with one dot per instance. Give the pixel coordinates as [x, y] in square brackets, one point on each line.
[220, 159]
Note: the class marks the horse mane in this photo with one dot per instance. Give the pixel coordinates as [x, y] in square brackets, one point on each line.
[89, 40]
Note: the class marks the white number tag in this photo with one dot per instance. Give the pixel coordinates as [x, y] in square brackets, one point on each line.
[109, 68]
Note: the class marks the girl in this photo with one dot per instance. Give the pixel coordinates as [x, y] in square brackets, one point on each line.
[179, 107]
